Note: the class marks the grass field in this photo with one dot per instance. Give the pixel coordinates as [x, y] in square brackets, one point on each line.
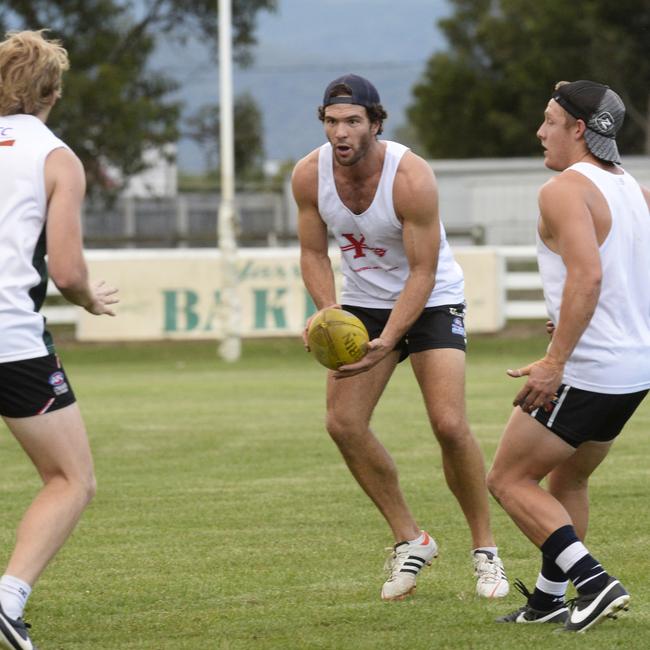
[225, 518]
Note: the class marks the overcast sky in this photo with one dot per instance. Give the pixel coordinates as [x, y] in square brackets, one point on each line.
[302, 47]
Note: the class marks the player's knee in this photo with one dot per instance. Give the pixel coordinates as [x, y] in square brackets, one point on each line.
[496, 484]
[452, 432]
[340, 427]
[90, 487]
[84, 487]
[335, 426]
[81, 487]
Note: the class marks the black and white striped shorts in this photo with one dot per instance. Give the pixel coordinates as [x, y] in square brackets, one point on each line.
[581, 416]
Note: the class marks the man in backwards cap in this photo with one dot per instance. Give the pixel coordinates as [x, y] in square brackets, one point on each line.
[380, 202]
[593, 236]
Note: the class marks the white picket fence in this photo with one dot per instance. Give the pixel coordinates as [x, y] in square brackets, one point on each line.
[522, 281]
[515, 280]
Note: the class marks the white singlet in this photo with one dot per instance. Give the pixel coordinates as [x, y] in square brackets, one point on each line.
[373, 260]
[613, 353]
[25, 143]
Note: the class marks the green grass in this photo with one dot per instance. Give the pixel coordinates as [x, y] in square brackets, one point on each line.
[225, 518]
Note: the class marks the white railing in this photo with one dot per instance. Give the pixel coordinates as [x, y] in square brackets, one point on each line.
[514, 281]
[522, 281]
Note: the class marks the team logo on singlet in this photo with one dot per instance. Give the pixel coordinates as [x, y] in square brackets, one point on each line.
[360, 247]
[5, 137]
[58, 383]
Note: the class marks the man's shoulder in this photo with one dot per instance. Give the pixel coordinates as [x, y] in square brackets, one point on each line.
[30, 130]
[304, 179]
[565, 181]
[415, 190]
[307, 165]
[414, 172]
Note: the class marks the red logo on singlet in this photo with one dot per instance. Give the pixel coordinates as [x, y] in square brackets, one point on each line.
[5, 139]
[359, 246]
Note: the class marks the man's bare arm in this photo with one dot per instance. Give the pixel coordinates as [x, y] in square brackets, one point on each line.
[65, 186]
[415, 197]
[567, 220]
[315, 263]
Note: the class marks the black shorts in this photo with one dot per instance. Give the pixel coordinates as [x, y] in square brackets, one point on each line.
[583, 416]
[33, 387]
[436, 327]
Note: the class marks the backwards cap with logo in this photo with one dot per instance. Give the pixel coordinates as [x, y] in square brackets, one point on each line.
[362, 92]
[600, 108]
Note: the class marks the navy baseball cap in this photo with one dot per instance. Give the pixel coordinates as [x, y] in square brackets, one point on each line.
[361, 92]
[600, 108]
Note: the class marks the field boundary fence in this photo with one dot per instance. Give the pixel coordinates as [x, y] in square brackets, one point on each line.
[522, 286]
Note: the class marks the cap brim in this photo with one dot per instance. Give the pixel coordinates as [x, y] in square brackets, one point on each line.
[602, 147]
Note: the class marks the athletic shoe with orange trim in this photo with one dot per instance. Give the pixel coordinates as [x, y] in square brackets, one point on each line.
[491, 579]
[406, 560]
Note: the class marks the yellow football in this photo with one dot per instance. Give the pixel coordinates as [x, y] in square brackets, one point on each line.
[336, 337]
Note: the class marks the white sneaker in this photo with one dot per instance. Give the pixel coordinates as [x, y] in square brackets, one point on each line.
[406, 560]
[492, 581]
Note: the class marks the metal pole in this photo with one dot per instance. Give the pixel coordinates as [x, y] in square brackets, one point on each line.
[230, 347]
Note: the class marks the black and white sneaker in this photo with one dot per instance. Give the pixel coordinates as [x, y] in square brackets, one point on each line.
[405, 562]
[491, 579]
[527, 614]
[591, 609]
[13, 633]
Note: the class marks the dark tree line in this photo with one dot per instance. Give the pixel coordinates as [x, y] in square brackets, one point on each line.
[115, 107]
[485, 95]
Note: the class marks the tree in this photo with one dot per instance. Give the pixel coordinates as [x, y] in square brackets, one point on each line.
[115, 107]
[203, 128]
[485, 95]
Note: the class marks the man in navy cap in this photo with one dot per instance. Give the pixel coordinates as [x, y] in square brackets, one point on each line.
[593, 237]
[380, 203]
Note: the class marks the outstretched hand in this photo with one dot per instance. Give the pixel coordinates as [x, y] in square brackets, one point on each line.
[544, 378]
[103, 296]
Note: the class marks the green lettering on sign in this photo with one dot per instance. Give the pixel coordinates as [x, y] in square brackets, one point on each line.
[265, 308]
[179, 311]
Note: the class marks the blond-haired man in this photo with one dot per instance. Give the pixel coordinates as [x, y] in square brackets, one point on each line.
[593, 235]
[42, 185]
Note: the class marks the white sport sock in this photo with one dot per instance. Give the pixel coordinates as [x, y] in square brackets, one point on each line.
[418, 540]
[13, 596]
[490, 549]
[556, 589]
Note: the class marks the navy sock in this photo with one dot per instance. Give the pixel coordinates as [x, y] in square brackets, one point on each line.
[552, 571]
[587, 575]
[571, 556]
[550, 587]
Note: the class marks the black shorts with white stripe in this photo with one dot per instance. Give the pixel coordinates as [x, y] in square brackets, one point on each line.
[581, 416]
[33, 387]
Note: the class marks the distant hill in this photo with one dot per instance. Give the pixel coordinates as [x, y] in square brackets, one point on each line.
[300, 50]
